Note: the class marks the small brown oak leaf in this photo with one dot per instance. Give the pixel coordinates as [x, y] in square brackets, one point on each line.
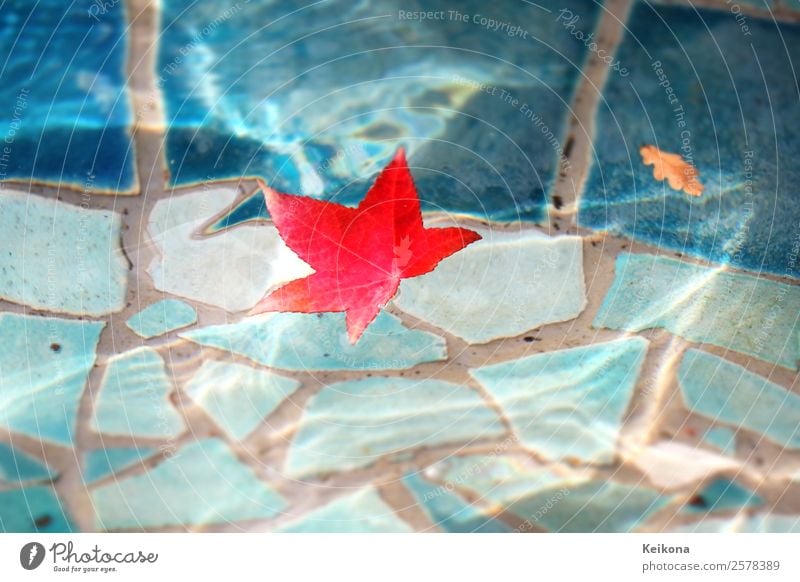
[679, 174]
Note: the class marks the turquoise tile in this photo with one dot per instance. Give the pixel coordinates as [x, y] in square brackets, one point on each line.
[537, 496]
[19, 467]
[162, 317]
[238, 397]
[684, 96]
[704, 305]
[32, 510]
[101, 463]
[448, 510]
[232, 270]
[44, 365]
[68, 108]
[726, 392]
[318, 341]
[568, 403]
[722, 495]
[721, 438]
[500, 286]
[203, 483]
[360, 512]
[134, 398]
[354, 423]
[764, 523]
[316, 99]
[60, 257]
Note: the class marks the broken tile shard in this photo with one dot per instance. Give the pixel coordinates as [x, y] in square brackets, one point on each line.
[162, 317]
[100, 463]
[33, 510]
[19, 467]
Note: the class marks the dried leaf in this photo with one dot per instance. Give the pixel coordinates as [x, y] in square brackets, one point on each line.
[680, 174]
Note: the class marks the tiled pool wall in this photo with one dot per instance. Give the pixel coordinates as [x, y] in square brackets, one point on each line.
[613, 355]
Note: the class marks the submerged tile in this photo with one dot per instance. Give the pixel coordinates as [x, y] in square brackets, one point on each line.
[19, 467]
[59, 257]
[231, 270]
[352, 424]
[722, 495]
[360, 512]
[683, 95]
[448, 510]
[32, 510]
[66, 94]
[500, 286]
[537, 496]
[739, 312]
[568, 403]
[721, 438]
[202, 483]
[134, 398]
[726, 392]
[101, 463]
[162, 317]
[318, 341]
[483, 113]
[238, 397]
[44, 365]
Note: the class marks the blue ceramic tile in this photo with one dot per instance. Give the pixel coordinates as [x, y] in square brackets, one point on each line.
[238, 397]
[134, 398]
[360, 512]
[700, 86]
[32, 510]
[316, 99]
[722, 438]
[318, 341]
[500, 286]
[202, 483]
[16, 466]
[739, 312]
[232, 270]
[352, 424]
[162, 317]
[101, 463]
[722, 495]
[60, 257]
[557, 503]
[726, 392]
[568, 403]
[44, 365]
[68, 112]
[448, 510]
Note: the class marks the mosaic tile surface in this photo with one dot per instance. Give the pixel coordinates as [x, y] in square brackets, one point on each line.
[746, 314]
[101, 463]
[202, 483]
[44, 365]
[353, 424]
[134, 398]
[275, 93]
[726, 392]
[568, 403]
[65, 86]
[700, 87]
[59, 257]
[162, 317]
[238, 397]
[723, 495]
[299, 341]
[500, 286]
[32, 510]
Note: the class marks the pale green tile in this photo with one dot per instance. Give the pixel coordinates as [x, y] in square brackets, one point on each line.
[162, 317]
[44, 365]
[134, 397]
[352, 424]
[318, 341]
[568, 403]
